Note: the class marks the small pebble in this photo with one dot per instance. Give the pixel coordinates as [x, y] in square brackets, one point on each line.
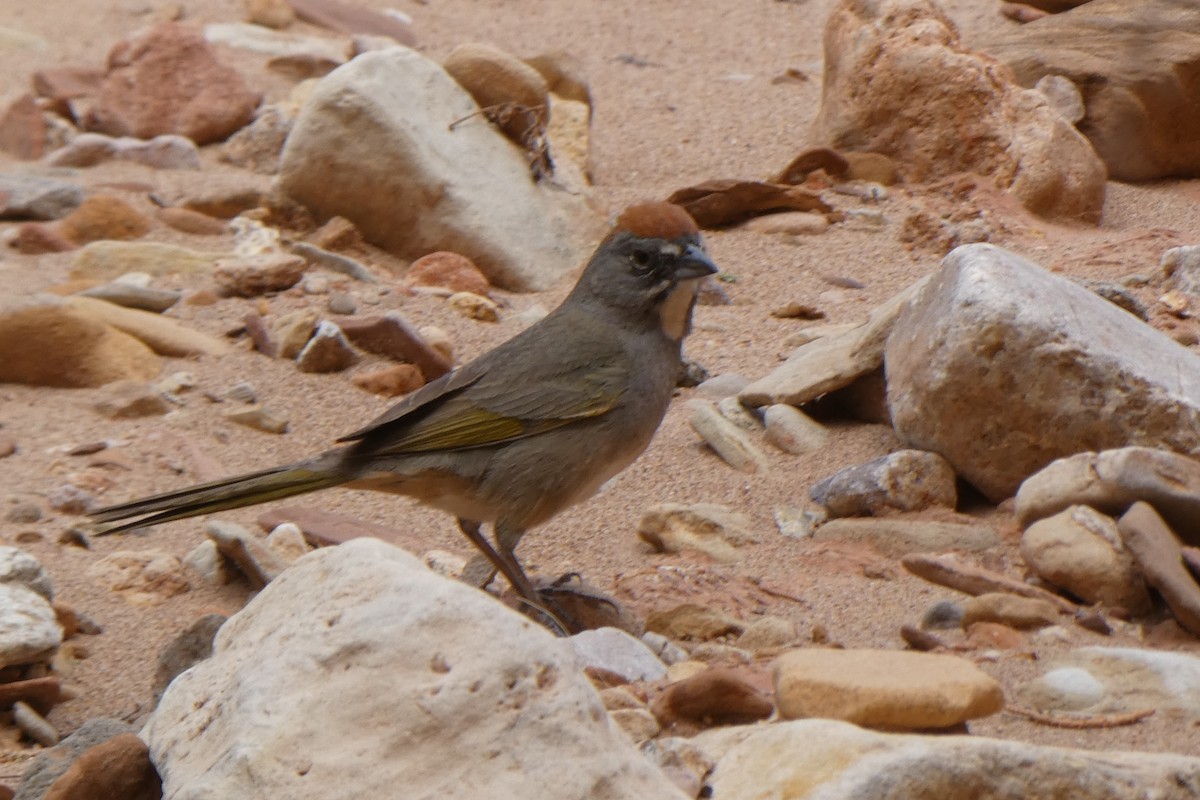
[34, 725]
[259, 417]
[242, 393]
[342, 303]
[942, 614]
[24, 512]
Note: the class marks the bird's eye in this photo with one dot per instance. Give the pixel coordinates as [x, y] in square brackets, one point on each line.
[641, 261]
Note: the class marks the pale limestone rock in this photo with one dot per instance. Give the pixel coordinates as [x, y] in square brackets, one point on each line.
[1001, 367]
[374, 144]
[397, 677]
[828, 760]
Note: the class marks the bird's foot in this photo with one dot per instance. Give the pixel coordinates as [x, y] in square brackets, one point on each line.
[581, 607]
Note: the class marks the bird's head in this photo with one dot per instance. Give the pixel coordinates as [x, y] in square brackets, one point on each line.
[648, 269]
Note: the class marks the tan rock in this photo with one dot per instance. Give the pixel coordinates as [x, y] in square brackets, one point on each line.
[831, 362]
[692, 621]
[514, 91]
[1159, 554]
[250, 276]
[474, 306]
[188, 221]
[705, 527]
[899, 536]
[899, 81]
[1113, 480]
[51, 343]
[449, 271]
[817, 758]
[1081, 550]
[884, 688]
[390, 381]
[148, 577]
[104, 217]
[104, 261]
[1009, 609]
[164, 335]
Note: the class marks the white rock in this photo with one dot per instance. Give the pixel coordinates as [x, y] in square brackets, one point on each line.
[29, 629]
[615, 651]
[374, 144]
[826, 760]
[21, 569]
[395, 678]
[1002, 367]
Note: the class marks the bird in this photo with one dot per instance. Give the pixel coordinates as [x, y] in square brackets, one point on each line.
[533, 426]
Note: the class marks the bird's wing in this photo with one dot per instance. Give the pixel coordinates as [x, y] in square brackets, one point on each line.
[494, 400]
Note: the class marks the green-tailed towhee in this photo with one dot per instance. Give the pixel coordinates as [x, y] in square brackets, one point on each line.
[527, 429]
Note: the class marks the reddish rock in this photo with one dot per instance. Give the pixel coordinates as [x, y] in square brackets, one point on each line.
[718, 694]
[391, 381]
[166, 80]
[995, 636]
[449, 271]
[61, 85]
[23, 130]
[41, 693]
[254, 275]
[392, 336]
[37, 237]
[104, 217]
[118, 769]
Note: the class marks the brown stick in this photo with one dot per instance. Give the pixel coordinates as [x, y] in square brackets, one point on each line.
[947, 570]
[1081, 721]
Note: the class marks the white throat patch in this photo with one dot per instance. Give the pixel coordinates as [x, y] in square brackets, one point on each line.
[674, 311]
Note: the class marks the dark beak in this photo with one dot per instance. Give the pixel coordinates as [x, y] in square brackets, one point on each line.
[693, 263]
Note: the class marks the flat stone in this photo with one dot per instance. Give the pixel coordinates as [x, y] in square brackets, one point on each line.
[105, 261]
[884, 688]
[820, 758]
[1159, 554]
[250, 276]
[33, 197]
[1111, 481]
[896, 536]
[391, 335]
[1009, 609]
[704, 527]
[164, 335]
[139, 297]
[831, 362]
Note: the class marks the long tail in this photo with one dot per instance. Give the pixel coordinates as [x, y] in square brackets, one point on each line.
[222, 495]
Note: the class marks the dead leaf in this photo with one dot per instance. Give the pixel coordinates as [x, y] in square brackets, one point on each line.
[721, 202]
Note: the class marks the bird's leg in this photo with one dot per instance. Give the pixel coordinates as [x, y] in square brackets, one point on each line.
[504, 560]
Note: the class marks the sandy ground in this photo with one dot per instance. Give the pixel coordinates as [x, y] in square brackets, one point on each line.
[683, 93]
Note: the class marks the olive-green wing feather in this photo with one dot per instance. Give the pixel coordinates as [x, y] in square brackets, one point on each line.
[501, 397]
